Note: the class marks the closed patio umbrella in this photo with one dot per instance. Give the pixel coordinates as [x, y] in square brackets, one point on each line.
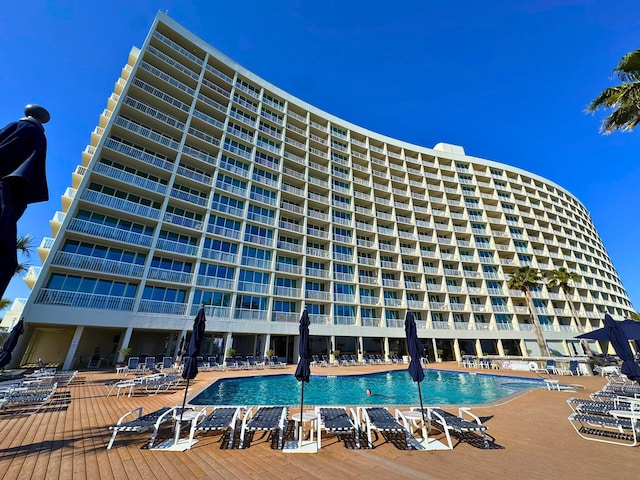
[303, 371]
[10, 343]
[190, 367]
[413, 345]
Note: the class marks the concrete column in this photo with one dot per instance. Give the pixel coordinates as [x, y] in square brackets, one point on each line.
[265, 347]
[68, 361]
[124, 343]
[332, 357]
[360, 349]
[500, 348]
[456, 350]
[479, 351]
[228, 343]
[386, 349]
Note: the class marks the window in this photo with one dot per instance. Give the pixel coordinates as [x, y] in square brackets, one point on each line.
[218, 299]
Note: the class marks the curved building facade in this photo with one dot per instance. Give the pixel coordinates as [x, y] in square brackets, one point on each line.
[205, 184]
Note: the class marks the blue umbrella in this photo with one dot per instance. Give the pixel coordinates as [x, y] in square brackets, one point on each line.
[303, 371]
[190, 368]
[413, 345]
[10, 343]
[620, 343]
[631, 329]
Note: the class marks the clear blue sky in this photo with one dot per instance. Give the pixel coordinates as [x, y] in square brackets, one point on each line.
[507, 80]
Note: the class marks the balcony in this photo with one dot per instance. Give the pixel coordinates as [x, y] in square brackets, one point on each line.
[94, 264]
[83, 300]
[170, 276]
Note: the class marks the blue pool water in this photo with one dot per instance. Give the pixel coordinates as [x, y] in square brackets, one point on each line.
[389, 388]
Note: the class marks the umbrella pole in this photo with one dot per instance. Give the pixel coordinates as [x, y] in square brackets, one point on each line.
[301, 417]
[424, 432]
[179, 422]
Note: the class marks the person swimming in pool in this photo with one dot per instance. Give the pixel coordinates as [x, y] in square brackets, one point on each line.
[369, 392]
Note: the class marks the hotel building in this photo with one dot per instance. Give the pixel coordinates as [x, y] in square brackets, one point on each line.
[205, 184]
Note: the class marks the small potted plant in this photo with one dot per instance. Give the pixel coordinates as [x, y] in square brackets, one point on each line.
[439, 351]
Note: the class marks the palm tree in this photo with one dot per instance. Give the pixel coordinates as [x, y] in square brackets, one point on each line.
[523, 279]
[561, 277]
[24, 244]
[624, 99]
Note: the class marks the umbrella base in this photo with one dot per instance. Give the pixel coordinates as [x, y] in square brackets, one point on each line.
[426, 444]
[175, 446]
[295, 446]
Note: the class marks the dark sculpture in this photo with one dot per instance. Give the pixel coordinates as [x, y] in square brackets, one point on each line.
[23, 180]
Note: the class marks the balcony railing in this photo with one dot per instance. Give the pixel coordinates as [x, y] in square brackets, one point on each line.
[83, 300]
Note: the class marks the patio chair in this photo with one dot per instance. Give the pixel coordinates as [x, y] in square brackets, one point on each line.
[251, 361]
[338, 421]
[149, 365]
[619, 427]
[220, 420]
[462, 423]
[276, 363]
[33, 396]
[167, 364]
[346, 360]
[355, 361]
[240, 362]
[202, 365]
[213, 363]
[380, 419]
[551, 366]
[315, 362]
[266, 419]
[230, 363]
[132, 424]
[160, 382]
[603, 407]
[133, 364]
[326, 361]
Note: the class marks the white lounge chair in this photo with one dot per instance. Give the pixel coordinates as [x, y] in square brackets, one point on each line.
[380, 419]
[221, 419]
[266, 419]
[462, 423]
[339, 421]
[131, 423]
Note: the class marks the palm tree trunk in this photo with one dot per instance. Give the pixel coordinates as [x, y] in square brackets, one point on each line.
[584, 343]
[544, 351]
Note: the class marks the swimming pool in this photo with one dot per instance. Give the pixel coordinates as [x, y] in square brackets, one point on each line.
[389, 388]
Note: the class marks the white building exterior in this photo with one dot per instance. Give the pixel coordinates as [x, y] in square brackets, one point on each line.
[205, 184]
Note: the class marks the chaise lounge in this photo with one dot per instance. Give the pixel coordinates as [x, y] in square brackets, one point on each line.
[380, 419]
[338, 421]
[463, 423]
[266, 419]
[129, 423]
[222, 419]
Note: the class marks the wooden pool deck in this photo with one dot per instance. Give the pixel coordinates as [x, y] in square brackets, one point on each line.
[67, 438]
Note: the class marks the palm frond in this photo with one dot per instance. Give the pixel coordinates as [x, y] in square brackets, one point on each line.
[624, 119]
[628, 69]
[24, 244]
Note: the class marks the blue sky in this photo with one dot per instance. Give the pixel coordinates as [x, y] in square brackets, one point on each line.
[506, 80]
